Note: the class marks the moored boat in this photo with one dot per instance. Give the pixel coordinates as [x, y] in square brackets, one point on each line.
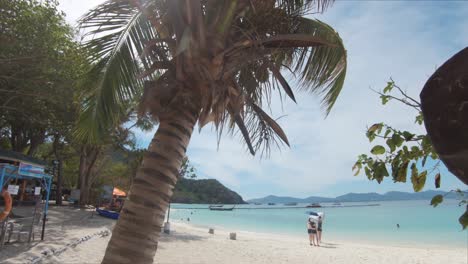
[314, 205]
[221, 208]
[108, 213]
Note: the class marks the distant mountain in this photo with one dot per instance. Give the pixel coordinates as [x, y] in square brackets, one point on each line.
[318, 199]
[205, 191]
[355, 197]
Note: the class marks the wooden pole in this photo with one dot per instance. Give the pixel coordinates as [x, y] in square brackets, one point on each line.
[58, 193]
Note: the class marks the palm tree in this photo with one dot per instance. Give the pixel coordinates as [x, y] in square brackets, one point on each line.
[199, 61]
[445, 111]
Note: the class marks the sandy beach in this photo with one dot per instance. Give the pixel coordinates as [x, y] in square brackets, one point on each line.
[78, 236]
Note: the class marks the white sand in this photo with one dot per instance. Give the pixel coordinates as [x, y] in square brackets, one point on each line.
[189, 244]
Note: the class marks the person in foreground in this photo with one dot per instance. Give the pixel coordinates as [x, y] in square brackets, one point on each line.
[312, 231]
[8, 203]
[319, 229]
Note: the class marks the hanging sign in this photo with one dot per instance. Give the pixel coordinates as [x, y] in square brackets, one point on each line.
[13, 189]
[37, 190]
[30, 170]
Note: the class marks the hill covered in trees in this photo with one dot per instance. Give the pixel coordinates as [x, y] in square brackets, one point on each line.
[204, 191]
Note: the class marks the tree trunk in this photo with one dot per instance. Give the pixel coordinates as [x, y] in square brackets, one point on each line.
[135, 236]
[58, 194]
[82, 173]
[88, 157]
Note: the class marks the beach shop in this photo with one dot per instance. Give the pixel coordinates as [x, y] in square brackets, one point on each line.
[29, 185]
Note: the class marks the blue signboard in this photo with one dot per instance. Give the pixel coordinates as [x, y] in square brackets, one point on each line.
[30, 170]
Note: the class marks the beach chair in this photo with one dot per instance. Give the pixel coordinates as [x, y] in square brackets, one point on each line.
[6, 228]
[23, 229]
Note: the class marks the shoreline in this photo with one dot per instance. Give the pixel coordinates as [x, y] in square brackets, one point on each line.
[189, 243]
[379, 243]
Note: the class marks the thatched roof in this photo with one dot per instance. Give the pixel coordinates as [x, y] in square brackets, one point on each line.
[444, 100]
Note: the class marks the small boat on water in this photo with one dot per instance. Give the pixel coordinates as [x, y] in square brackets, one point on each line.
[217, 205]
[314, 205]
[290, 204]
[221, 208]
[108, 213]
[271, 204]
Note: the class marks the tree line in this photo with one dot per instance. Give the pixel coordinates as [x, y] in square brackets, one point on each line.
[45, 82]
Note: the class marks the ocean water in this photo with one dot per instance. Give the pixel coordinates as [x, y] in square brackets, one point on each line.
[420, 223]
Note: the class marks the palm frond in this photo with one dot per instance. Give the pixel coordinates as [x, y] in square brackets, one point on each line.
[321, 69]
[263, 130]
[118, 34]
[304, 6]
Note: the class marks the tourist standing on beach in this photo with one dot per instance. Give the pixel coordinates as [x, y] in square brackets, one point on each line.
[319, 229]
[312, 231]
[8, 203]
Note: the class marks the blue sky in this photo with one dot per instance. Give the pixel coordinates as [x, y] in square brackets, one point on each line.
[403, 40]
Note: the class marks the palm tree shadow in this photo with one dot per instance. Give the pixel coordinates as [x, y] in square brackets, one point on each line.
[328, 245]
[174, 236]
[325, 246]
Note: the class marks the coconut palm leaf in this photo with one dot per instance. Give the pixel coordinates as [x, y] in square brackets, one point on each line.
[117, 33]
[321, 69]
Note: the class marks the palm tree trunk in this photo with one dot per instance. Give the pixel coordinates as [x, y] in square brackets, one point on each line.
[135, 236]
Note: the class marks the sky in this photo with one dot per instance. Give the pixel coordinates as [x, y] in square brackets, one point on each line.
[405, 41]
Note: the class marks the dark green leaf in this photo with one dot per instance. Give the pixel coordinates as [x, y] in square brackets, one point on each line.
[375, 127]
[397, 140]
[379, 171]
[378, 150]
[357, 166]
[402, 172]
[418, 180]
[426, 144]
[368, 173]
[424, 161]
[419, 119]
[436, 200]
[370, 136]
[385, 99]
[464, 220]
[389, 87]
[391, 144]
[437, 180]
[407, 135]
[387, 132]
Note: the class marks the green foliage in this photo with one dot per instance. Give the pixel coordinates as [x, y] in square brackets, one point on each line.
[403, 150]
[464, 220]
[204, 191]
[436, 200]
[378, 150]
[239, 50]
[40, 67]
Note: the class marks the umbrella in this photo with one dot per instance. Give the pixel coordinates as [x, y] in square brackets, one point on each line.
[118, 192]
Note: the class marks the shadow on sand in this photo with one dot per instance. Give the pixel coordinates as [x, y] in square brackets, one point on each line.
[328, 245]
[60, 221]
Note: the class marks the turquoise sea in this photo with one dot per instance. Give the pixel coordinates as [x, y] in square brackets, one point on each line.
[420, 223]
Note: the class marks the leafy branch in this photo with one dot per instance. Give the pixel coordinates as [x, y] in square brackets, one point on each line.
[403, 151]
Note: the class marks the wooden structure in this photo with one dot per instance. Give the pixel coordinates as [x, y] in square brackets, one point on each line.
[16, 166]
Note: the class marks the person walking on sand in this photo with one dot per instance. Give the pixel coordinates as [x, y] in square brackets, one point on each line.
[8, 203]
[319, 229]
[312, 231]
